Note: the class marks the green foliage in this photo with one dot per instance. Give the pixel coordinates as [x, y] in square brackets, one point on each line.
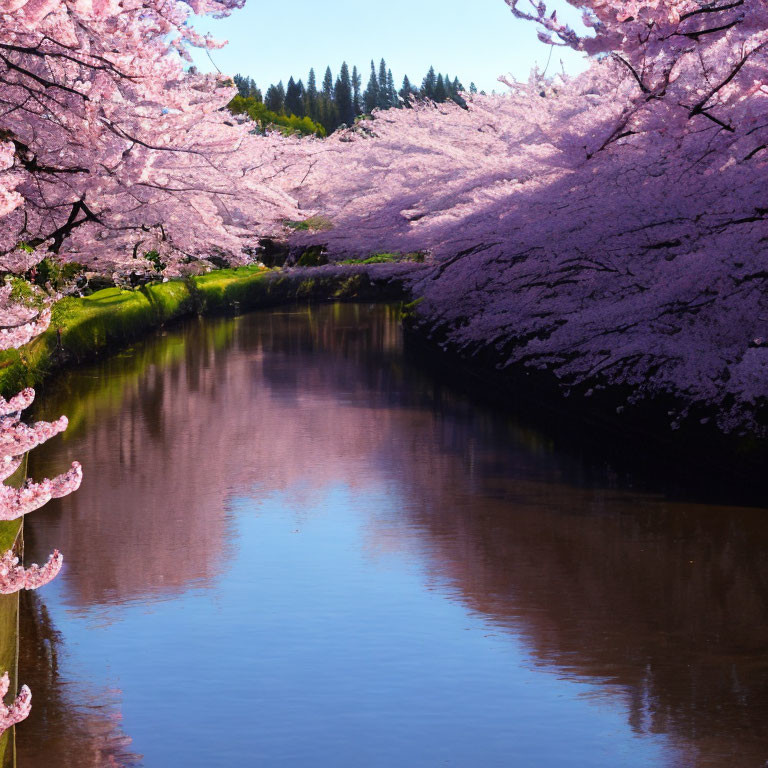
[371, 95]
[345, 106]
[247, 87]
[58, 273]
[23, 292]
[336, 102]
[384, 258]
[294, 98]
[312, 224]
[82, 328]
[275, 98]
[261, 114]
[408, 309]
[314, 256]
[153, 257]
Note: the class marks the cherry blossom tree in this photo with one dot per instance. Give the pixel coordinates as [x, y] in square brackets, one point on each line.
[109, 150]
[19, 322]
[609, 228]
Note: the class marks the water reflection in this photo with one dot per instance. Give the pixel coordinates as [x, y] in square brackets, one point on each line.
[74, 723]
[286, 483]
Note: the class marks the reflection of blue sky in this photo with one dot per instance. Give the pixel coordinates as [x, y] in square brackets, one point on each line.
[320, 648]
[476, 41]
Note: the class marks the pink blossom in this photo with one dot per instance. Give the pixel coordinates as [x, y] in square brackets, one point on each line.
[111, 150]
[16, 502]
[16, 438]
[609, 228]
[14, 577]
[16, 712]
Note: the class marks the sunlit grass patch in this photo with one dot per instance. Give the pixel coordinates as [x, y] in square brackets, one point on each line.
[387, 257]
[312, 224]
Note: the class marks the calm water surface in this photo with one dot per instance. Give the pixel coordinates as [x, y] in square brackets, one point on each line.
[293, 547]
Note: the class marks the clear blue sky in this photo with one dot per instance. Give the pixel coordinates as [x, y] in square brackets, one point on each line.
[476, 40]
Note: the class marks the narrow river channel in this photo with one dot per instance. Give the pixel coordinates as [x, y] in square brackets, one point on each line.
[295, 547]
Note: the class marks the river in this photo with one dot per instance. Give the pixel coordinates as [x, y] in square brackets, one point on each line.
[294, 546]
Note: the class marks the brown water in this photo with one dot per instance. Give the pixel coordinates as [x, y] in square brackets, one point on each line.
[293, 547]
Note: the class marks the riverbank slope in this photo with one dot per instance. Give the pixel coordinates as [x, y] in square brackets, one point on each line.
[83, 328]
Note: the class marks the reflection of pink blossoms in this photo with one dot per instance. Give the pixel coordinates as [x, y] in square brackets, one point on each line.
[15, 577]
[16, 712]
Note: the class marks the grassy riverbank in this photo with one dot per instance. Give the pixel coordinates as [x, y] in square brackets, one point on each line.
[83, 328]
[9, 625]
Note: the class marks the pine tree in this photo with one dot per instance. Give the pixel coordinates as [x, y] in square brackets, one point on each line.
[371, 96]
[275, 98]
[246, 87]
[329, 117]
[328, 84]
[344, 105]
[357, 82]
[440, 93]
[429, 84]
[472, 88]
[243, 85]
[310, 96]
[391, 90]
[406, 91]
[294, 101]
[383, 102]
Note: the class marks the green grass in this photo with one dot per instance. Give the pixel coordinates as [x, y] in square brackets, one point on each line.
[9, 616]
[312, 224]
[386, 258]
[83, 328]
[9, 613]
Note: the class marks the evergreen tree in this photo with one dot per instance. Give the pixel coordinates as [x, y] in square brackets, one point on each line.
[310, 96]
[472, 88]
[383, 102]
[328, 84]
[247, 88]
[344, 104]
[294, 99]
[456, 86]
[406, 91]
[243, 86]
[371, 96]
[429, 84]
[440, 93]
[275, 98]
[391, 90]
[329, 118]
[357, 82]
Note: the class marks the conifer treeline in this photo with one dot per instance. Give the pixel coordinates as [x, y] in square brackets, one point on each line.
[339, 101]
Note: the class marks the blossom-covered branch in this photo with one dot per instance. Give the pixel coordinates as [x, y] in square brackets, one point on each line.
[16, 712]
[15, 577]
[609, 228]
[109, 150]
